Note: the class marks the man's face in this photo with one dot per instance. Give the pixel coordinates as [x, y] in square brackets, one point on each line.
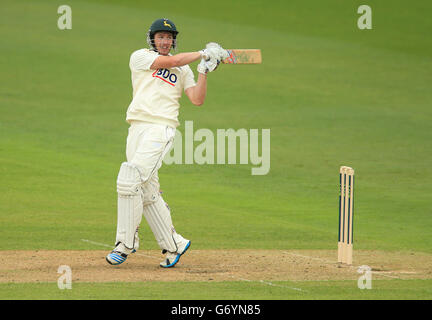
[163, 42]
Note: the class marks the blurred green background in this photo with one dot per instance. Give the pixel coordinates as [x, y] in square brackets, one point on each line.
[331, 95]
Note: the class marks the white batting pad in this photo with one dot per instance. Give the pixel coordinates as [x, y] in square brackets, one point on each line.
[129, 205]
[158, 217]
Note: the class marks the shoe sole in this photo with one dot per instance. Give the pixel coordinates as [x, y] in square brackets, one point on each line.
[172, 264]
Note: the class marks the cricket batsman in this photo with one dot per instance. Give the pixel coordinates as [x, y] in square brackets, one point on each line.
[158, 81]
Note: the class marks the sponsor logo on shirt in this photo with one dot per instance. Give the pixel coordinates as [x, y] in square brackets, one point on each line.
[165, 75]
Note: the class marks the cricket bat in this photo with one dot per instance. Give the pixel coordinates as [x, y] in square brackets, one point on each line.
[243, 56]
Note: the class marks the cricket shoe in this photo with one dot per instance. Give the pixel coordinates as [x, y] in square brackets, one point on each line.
[171, 258]
[118, 256]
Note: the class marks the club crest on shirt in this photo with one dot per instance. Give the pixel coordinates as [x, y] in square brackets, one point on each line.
[165, 75]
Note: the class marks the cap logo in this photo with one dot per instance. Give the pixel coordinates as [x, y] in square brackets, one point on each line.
[167, 24]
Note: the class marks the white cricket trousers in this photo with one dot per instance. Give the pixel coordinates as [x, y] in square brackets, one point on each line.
[147, 145]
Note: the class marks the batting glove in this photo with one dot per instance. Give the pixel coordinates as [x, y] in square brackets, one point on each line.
[217, 49]
[202, 67]
[212, 64]
[209, 61]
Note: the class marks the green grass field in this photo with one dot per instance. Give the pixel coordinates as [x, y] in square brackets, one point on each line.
[331, 95]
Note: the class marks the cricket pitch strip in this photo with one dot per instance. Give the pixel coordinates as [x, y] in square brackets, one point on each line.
[212, 265]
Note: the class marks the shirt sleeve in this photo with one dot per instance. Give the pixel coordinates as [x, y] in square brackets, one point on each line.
[188, 78]
[142, 59]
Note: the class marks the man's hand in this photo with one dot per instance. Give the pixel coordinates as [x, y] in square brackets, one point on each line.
[209, 62]
[202, 67]
[207, 66]
[214, 50]
[217, 49]
[212, 56]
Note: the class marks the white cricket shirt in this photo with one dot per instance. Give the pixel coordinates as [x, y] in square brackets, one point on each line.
[156, 93]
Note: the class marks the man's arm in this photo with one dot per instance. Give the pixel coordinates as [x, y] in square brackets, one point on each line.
[181, 59]
[197, 93]
[177, 60]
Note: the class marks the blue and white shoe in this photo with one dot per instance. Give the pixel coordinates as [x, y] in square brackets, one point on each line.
[116, 258]
[171, 259]
[120, 253]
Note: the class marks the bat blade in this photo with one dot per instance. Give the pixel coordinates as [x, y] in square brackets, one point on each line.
[243, 56]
